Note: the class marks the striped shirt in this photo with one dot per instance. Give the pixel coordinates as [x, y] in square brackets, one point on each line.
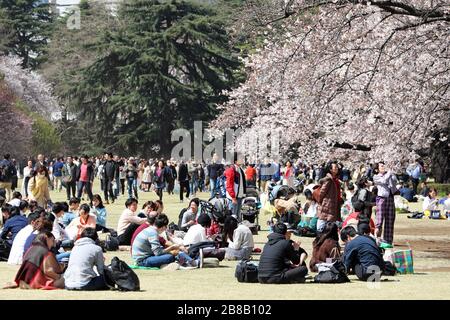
[146, 244]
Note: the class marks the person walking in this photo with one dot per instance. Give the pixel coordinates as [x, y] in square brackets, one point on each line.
[69, 177]
[110, 171]
[215, 170]
[183, 179]
[84, 177]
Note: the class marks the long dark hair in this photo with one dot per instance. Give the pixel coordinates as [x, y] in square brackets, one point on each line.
[229, 226]
[100, 201]
[329, 232]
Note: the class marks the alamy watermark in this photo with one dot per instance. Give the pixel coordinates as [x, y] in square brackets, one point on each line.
[200, 146]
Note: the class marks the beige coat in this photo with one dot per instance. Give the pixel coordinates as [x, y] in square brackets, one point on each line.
[38, 190]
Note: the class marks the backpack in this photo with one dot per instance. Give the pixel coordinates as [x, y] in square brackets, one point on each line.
[119, 274]
[246, 271]
[111, 243]
[6, 171]
[331, 273]
[194, 249]
[180, 217]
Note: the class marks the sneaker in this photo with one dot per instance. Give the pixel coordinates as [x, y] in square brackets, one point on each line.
[187, 268]
[106, 202]
[171, 266]
[200, 258]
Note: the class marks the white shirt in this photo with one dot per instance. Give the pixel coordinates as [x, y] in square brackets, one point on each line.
[429, 204]
[242, 238]
[18, 246]
[27, 172]
[15, 202]
[195, 234]
[447, 205]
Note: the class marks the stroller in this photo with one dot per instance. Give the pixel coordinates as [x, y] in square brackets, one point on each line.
[250, 212]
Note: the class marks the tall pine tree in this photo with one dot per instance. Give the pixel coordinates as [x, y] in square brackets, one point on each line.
[166, 66]
[27, 24]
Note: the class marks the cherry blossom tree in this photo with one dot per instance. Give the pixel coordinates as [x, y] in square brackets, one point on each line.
[15, 130]
[349, 79]
[30, 87]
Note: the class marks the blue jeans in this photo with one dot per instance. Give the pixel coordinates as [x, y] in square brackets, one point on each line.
[213, 187]
[157, 261]
[97, 283]
[183, 258]
[236, 209]
[194, 186]
[132, 186]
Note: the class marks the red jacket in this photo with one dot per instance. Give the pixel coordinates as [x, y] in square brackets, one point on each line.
[232, 180]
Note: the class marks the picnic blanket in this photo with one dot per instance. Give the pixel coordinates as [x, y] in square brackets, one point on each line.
[143, 268]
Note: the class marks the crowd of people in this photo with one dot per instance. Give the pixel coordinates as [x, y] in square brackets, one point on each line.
[57, 244]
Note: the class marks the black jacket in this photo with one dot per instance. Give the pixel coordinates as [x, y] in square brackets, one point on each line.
[277, 252]
[183, 174]
[110, 170]
[90, 172]
[215, 170]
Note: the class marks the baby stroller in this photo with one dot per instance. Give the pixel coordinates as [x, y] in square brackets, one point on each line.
[250, 209]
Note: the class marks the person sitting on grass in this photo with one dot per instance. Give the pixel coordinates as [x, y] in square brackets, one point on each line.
[430, 202]
[128, 222]
[147, 208]
[447, 203]
[24, 207]
[361, 254]
[42, 224]
[147, 250]
[197, 234]
[72, 213]
[150, 222]
[83, 221]
[99, 210]
[39, 269]
[86, 255]
[13, 223]
[16, 198]
[190, 215]
[240, 239]
[407, 192]
[17, 249]
[357, 215]
[281, 259]
[326, 246]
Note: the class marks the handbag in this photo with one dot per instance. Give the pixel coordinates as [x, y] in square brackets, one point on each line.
[403, 261]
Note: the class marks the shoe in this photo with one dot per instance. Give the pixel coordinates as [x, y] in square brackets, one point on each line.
[171, 267]
[187, 268]
[200, 258]
[106, 202]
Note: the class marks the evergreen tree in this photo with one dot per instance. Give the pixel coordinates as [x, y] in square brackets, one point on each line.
[27, 24]
[167, 65]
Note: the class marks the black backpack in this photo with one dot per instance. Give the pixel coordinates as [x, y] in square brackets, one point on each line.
[246, 271]
[180, 217]
[194, 249]
[119, 274]
[336, 274]
[6, 171]
[111, 243]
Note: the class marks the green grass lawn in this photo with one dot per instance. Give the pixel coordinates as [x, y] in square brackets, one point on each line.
[429, 240]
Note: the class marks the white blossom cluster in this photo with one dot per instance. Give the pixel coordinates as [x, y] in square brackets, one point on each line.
[348, 74]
